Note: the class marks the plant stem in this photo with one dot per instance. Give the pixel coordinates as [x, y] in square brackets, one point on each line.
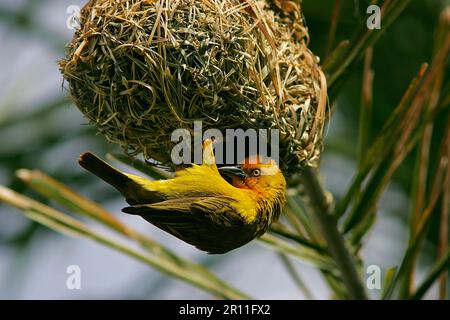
[295, 276]
[390, 12]
[334, 22]
[383, 144]
[65, 224]
[279, 231]
[336, 243]
[319, 261]
[442, 266]
[366, 107]
[444, 229]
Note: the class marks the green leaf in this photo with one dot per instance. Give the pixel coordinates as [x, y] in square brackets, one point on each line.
[388, 283]
[443, 265]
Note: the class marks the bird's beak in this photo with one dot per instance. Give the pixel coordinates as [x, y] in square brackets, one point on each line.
[232, 172]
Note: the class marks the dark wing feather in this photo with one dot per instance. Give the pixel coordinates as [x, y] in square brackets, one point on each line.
[209, 223]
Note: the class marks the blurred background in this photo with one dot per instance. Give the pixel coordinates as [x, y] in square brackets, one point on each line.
[41, 129]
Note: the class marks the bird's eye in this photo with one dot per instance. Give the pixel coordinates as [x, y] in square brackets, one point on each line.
[256, 172]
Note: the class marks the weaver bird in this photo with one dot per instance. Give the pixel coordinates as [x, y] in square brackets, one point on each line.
[198, 205]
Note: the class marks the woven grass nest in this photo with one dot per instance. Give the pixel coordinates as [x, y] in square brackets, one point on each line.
[140, 69]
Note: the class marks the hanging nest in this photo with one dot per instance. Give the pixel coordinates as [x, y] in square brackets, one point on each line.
[139, 69]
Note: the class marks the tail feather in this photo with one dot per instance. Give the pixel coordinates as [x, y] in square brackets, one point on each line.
[104, 171]
[134, 192]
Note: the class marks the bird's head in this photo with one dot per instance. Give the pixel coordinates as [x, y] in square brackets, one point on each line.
[262, 177]
[265, 182]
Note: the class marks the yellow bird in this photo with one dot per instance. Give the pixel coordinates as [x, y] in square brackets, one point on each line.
[198, 205]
